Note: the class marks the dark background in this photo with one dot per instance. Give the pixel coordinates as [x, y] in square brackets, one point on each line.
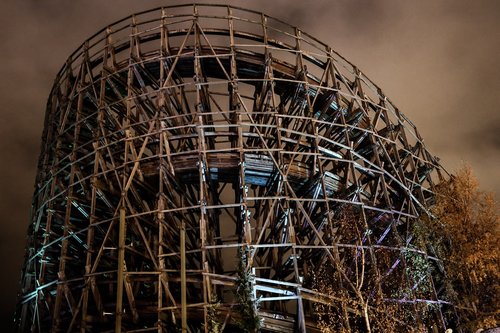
[437, 60]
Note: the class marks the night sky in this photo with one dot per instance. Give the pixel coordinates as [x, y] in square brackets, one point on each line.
[436, 60]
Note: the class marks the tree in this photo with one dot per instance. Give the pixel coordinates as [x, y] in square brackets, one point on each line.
[465, 235]
[248, 304]
[450, 265]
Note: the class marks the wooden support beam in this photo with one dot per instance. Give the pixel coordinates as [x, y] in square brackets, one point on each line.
[120, 271]
[183, 278]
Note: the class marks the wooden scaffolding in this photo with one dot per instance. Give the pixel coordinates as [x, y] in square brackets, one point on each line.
[182, 138]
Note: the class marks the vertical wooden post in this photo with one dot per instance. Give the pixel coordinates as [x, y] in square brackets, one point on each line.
[183, 278]
[119, 283]
[300, 314]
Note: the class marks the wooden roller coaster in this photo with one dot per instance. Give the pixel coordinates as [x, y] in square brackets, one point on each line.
[186, 140]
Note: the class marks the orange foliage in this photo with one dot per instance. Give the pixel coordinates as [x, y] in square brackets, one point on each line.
[467, 221]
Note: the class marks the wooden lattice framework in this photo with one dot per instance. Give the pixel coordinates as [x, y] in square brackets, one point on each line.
[179, 137]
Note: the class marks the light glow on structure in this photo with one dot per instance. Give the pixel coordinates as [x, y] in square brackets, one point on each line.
[256, 137]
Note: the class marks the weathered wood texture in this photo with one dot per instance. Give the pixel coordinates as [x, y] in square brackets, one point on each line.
[251, 134]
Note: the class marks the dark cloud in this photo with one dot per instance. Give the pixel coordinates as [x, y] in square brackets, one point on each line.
[437, 60]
